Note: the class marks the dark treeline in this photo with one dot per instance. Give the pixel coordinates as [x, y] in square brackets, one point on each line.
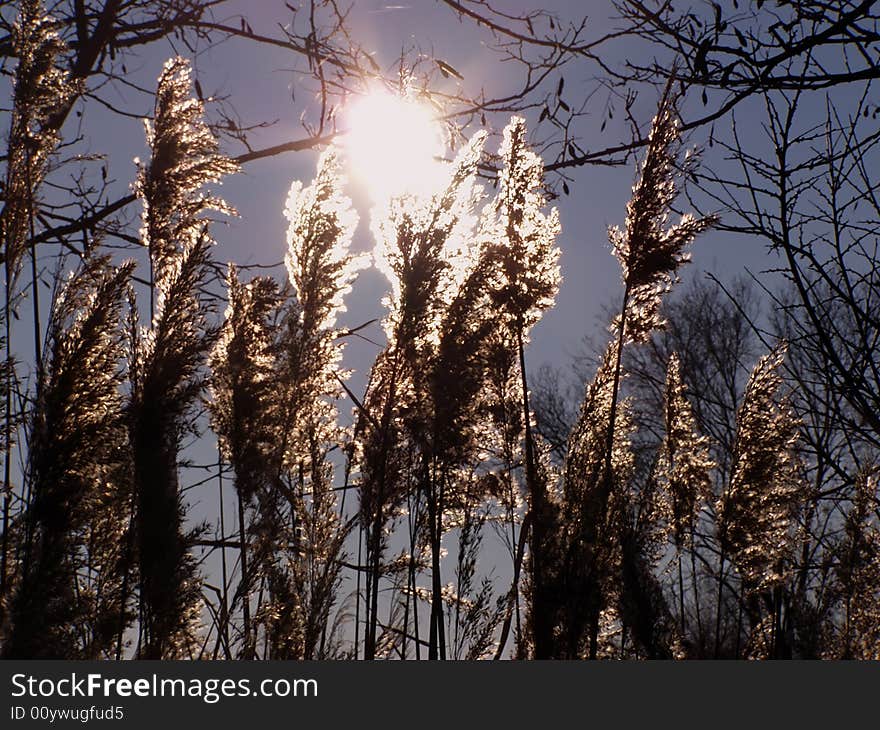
[705, 487]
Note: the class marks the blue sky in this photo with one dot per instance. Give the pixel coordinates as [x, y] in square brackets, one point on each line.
[260, 87]
[258, 82]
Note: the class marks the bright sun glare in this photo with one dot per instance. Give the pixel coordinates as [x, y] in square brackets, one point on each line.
[393, 143]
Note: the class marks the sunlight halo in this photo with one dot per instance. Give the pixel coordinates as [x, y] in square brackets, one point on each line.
[393, 144]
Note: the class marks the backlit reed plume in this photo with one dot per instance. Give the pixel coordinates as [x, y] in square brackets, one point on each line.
[682, 474]
[757, 511]
[524, 279]
[321, 269]
[649, 253]
[275, 389]
[585, 584]
[420, 247]
[244, 409]
[67, 604]
[167, 369]
[40, 87]
[858, 575]
[683, 464]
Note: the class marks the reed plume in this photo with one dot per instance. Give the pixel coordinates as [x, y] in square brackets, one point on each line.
[40, 87]
[683, 465]
[858, 575]
[649, 253]
[167, 368]
[524, 258]
[66, 606]
[275, 385]
[757, 511]
[682, 476]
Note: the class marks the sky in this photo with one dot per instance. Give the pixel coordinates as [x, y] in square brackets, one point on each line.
[598, 194]
[259, 84]
[257, 81]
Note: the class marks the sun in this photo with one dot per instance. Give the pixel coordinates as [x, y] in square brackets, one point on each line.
[393, 144]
